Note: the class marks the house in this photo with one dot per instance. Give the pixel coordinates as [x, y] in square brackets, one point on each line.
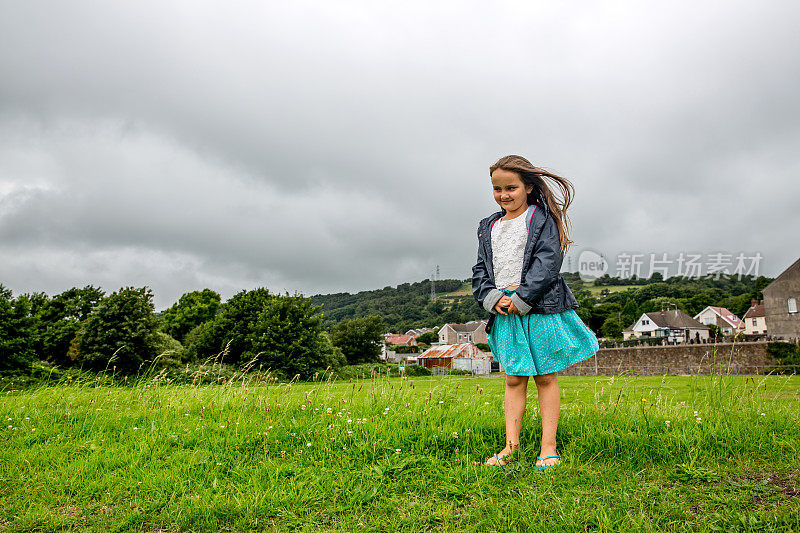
[729, 323]
[755, 321]
[463, 356]
[781, 299]
[403, 340]
[392, 339]
[474, 332]
[673, 325]
[417, 332]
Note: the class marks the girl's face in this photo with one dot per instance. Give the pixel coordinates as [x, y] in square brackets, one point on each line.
[510, 192]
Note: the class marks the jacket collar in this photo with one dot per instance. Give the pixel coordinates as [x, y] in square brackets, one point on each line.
[528, 216]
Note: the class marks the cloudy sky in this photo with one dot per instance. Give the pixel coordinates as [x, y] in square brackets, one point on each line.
[318, 146]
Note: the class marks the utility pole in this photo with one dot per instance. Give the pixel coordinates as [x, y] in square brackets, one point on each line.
[434, 277]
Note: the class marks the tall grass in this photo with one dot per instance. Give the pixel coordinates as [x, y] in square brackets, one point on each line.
[247, 452]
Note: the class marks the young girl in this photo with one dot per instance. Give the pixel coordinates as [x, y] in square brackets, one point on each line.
[533, 329]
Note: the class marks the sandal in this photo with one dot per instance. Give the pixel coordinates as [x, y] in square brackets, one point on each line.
[497, 464]
[543, 467]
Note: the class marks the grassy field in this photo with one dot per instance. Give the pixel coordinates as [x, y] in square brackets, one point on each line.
[709, 453]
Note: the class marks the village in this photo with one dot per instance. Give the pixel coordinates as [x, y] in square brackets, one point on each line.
[464, 347]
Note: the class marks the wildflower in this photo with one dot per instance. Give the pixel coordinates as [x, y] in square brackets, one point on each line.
[349, 432]
[308, 444]
[699, 420]
[644, 399]
[441, 401]
[485, 403]
[666, 422]
[763, 414]
[397, 451]
[134, 427]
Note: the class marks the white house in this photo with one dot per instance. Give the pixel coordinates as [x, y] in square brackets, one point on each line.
[674, 325]
[729, 323]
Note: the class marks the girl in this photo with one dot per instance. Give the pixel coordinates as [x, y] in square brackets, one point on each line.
[533, 329]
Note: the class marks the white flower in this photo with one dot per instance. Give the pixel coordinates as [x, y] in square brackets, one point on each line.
[308, 444]
[397, 451]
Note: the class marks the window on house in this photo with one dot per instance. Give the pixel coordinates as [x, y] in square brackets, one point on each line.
[754, 321]
[792, 305]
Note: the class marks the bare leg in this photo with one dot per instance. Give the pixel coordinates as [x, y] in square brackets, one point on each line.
[516, 397]
[549, 407]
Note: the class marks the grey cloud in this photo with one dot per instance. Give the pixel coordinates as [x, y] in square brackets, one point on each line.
[341, 147]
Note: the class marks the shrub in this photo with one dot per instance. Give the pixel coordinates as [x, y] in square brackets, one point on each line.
[16, 332]
[359, 339]
[120, 331]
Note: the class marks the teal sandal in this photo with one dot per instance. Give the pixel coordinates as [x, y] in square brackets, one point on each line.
[543, 467]
[498, 459]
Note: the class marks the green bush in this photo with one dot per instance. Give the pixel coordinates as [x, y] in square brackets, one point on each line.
[359, 339]
[417, 370]
[16, 332]
[191, 310]
[121, 332]
[788, 356]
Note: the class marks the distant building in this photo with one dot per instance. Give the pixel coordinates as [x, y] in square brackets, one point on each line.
[474, 332]
[755, 319]
[463, 356]
[673, 325]
[729, 323]
[417, 332]
[781, 299]
[403, 340]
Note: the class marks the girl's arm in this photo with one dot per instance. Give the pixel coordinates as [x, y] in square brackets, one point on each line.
[545, 266]
[483, 287]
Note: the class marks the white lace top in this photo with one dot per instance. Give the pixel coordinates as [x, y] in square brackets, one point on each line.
[508, 249]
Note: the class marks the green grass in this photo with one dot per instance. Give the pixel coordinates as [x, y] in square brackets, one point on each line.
[397, 455]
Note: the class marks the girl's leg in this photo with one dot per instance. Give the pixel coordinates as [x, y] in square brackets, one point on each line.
[516, 396]
[549, 407]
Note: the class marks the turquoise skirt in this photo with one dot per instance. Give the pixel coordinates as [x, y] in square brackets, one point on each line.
[535, 344]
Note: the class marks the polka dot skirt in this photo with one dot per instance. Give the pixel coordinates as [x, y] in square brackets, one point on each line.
[535, 344]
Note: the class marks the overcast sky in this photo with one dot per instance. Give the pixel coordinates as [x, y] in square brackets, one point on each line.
[320, 147]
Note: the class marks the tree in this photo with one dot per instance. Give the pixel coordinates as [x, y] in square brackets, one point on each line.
[359, 339]
[611, 329]
[231, 329]
[120, 331]
[191, 310]
[288, 337]
[428, 338]
[16, 331]
[59, 320]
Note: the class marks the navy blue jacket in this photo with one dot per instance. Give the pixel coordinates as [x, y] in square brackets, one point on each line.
[542, 289]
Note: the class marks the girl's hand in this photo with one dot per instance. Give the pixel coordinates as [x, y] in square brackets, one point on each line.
[512, 309]
[502, 304]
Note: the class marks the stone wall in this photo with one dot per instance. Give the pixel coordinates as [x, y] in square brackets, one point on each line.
[733, 358]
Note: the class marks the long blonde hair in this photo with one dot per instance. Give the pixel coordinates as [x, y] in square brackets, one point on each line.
[532, 175]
